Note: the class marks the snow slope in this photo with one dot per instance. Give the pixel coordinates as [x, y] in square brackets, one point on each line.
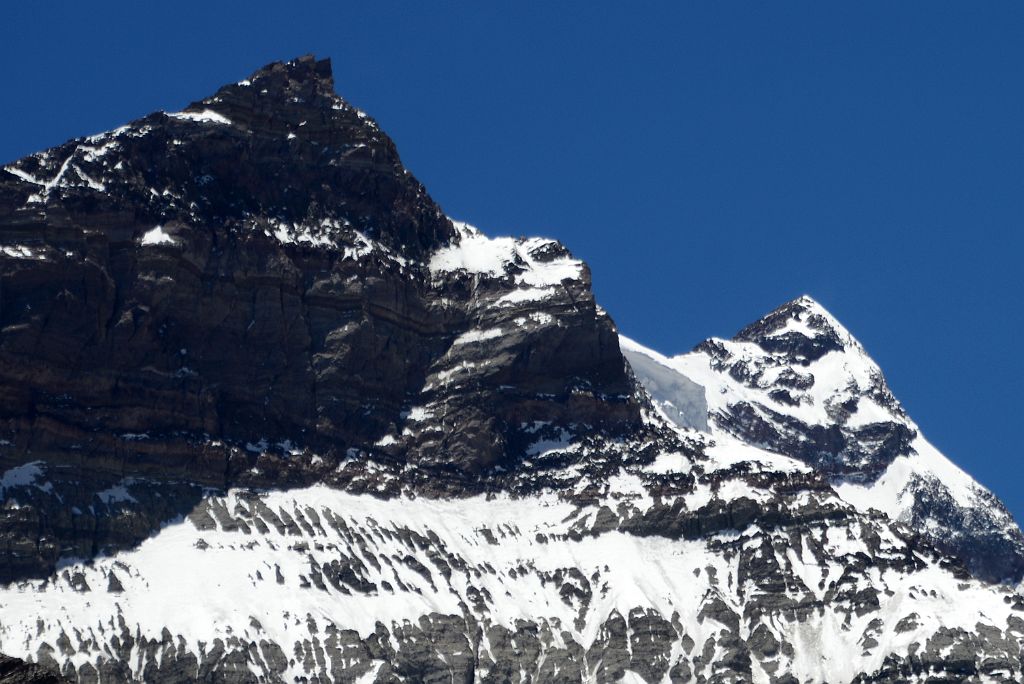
[797, 382]
[306, 575]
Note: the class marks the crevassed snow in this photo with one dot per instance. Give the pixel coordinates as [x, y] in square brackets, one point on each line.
[680, 398]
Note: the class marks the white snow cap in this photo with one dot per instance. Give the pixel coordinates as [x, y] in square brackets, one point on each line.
[837, 375]
[808, 317]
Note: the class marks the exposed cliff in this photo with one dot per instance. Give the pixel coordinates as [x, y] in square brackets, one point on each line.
[254, 291]
[267, 414]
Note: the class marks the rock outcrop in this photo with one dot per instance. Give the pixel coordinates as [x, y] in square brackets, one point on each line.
[268, 415]
[254, 291]
[15, 671]
[796, 382]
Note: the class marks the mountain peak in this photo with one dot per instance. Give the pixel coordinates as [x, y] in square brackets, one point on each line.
[304, 69]
[812, 307]
[801, 328]
[279, 154]
[302, 75]
[299, 90]
[247, 360]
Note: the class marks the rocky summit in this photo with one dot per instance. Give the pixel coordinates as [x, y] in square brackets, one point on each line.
[267, 414]
[797, 383]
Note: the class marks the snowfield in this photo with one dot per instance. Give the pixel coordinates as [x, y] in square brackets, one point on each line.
[256, 568]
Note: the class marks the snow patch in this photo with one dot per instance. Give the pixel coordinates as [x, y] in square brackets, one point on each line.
[205, 116]
[158, 236]
[475, 336]
[21, 476]
[523, 260]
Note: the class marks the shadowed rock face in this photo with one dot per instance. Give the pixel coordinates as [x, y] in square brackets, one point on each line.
[15, 671]
[242, 293]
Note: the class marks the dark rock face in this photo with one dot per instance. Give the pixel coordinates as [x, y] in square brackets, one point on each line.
[267, 414]
[15, 671]
[217, 295]
[984, 537]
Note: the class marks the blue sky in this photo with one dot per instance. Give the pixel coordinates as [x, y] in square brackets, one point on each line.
[710, 160]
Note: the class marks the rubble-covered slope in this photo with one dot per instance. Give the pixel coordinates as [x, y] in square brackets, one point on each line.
[798, 383]
[269, 415]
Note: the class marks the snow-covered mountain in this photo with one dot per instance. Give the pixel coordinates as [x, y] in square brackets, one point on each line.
[267, 414]
[796, 382]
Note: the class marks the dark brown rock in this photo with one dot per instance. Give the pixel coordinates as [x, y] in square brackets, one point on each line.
[239, 294]
[15, 671]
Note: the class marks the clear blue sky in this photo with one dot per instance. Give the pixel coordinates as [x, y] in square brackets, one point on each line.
[710, 160]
